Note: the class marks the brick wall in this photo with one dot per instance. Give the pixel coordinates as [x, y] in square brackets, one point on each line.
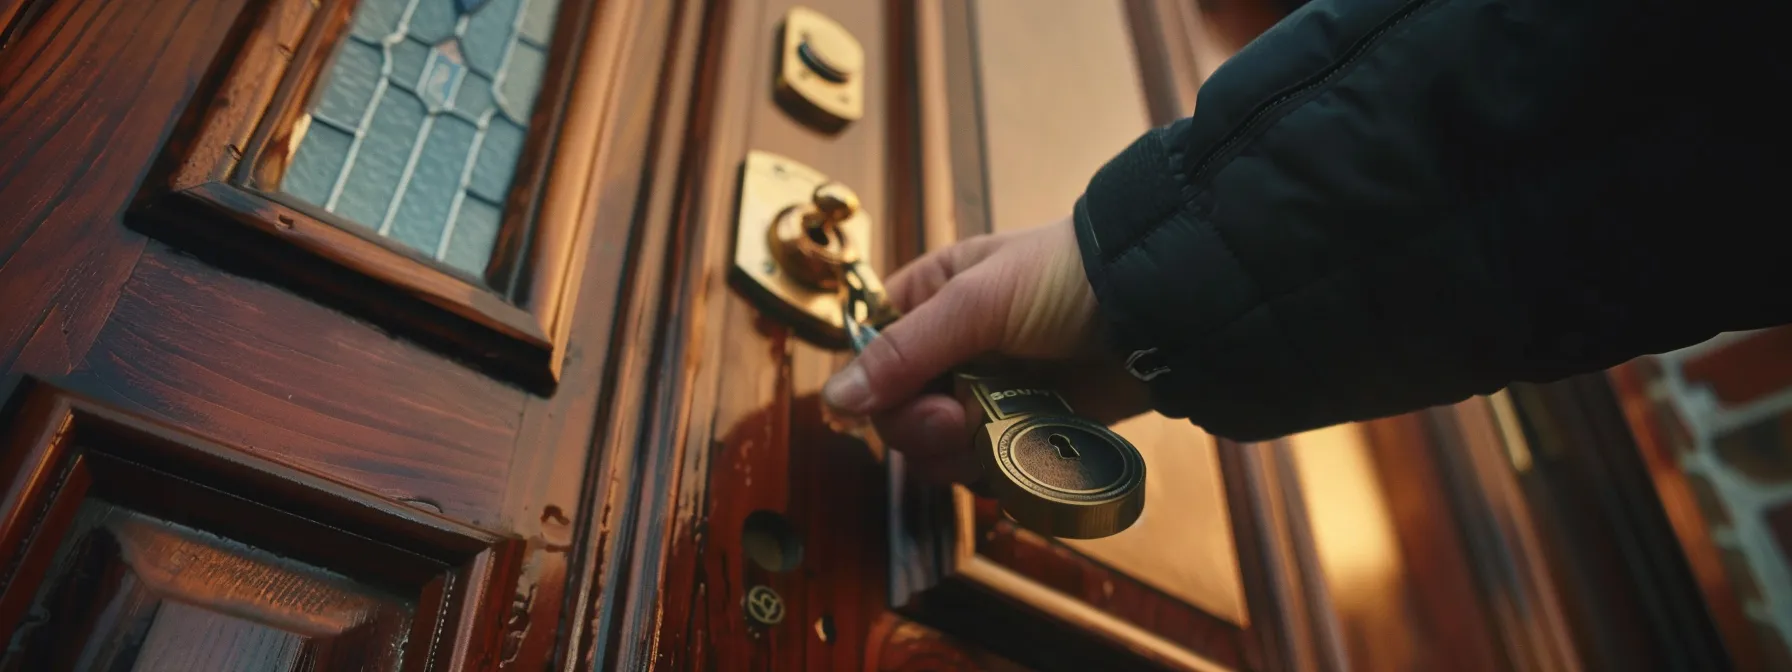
[1724, 408]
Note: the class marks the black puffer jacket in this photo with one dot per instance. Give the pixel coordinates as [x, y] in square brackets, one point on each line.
[1381, 205]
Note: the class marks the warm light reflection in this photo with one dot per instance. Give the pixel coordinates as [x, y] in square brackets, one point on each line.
[1352, 525]
[1182, 544]
[1063, 113]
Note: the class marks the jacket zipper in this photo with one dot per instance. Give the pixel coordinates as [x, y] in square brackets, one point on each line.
[1248, 128]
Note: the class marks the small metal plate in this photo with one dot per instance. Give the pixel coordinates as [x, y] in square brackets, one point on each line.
[771, 184]
[821, 70]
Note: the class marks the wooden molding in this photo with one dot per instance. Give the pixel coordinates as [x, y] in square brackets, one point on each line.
[224, 165]
[1630, 584]
[63, 451]
[943, 574]
[1645, 415]
[670, 51]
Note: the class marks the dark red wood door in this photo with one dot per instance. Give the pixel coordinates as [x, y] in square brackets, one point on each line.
[397, 334]
[305, 312]
[410, 334]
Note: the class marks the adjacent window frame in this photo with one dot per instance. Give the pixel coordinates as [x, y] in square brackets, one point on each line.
[231, 149]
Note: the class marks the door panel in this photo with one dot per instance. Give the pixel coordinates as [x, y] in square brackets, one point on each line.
[133, 546]
[1066, 112]
[738, 437]
[1067, 89]
[237, 383]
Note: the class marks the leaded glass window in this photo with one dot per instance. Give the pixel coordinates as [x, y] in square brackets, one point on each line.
[418, 123]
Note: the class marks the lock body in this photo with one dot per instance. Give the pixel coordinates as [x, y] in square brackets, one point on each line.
[1055, 473]
[794, 230]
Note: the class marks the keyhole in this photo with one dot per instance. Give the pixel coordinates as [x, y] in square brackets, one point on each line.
[1062, 443]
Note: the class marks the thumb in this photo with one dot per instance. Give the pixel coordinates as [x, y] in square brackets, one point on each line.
[954, 326]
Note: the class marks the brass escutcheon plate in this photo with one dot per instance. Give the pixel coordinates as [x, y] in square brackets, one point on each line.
[820, 70]
[770, 185]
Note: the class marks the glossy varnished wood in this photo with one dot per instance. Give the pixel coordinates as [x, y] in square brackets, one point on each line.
[599, 523]
[80, 474]
[248, 363]
[63, 258]
[1612, 536]
[730, 405]
[1445, 590]
[14, 14]
[225, 351]
[137, 592]
[972, 572]
[1061, 568]
[226, 167]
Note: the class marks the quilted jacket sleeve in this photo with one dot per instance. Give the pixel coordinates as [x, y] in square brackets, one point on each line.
[1381, 205]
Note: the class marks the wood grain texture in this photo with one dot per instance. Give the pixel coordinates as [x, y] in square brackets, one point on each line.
[562, 455]
[1059, 567]
[199, 344]
[141, 593]
[729, 421]
[611, 568]
[227, 165]
[113, 77]
[225, 355]
[145, 516]
[14, 14]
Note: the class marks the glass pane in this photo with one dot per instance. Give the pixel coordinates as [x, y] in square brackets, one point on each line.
[313, 171]
[489, 34]
[379, 166]
[475, 231]
[422, 216]
[522, 78]
[419, 121]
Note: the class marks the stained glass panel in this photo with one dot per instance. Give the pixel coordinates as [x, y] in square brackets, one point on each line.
[419, 121]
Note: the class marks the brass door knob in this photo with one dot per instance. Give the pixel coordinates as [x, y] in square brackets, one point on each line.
[808, 240]
[795, 228]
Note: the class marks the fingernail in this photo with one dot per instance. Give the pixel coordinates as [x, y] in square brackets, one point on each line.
[849, 390]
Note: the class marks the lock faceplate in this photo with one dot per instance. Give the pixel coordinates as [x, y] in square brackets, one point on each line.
[774, 265]
[820, 70]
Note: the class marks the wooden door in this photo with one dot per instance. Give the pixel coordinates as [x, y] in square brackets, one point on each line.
[765, 538]
[306, 318]
[404, 334]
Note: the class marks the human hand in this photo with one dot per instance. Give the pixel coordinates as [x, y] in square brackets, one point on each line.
[1020, 295]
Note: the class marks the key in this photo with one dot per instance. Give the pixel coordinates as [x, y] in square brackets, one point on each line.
[1052, 471]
